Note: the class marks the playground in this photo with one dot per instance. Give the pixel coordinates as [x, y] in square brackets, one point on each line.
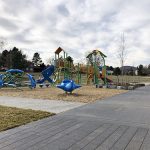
[62, 80]
[67, 81]
[65, 88]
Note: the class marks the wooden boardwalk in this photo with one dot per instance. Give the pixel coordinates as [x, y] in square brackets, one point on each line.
[98, 126]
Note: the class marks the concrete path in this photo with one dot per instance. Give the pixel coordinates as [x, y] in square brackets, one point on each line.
[118, 123]
[37, 104]
[131, 108]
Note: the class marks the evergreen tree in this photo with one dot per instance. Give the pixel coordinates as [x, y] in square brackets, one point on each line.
[37, 63]
[69, 59]
[13, 59]
[5, 59]
[111, 68]
[140, 69]
[18, 59]
[117, 71]
[36, 60]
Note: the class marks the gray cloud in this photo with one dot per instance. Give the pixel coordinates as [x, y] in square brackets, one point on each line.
[62, 9]
[8, 24]
[78, 26]
[16, 6]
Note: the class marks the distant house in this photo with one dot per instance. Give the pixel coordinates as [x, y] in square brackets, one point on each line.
[129, 70]
[3, 68]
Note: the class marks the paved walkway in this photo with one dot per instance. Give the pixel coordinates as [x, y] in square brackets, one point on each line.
[38, 104]
[118, 123]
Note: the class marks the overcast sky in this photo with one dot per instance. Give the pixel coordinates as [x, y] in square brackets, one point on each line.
[78, 26]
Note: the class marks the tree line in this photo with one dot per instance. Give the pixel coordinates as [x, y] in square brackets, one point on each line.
[14, 58]
[140, 70]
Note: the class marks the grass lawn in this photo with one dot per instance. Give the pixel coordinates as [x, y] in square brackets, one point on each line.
[12, 117]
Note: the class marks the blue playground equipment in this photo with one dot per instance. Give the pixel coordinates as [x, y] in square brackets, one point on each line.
[46, 75]
[14, 78]
[15, 71]
[1, 81]
[32, 81]
[68, 85]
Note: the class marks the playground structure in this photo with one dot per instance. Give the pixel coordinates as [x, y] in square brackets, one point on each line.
[51, 75]
[94, 70]
[16, 78]
[63, 65]
[63, 72]
[59, 63]
[47, 75]
[68, 85]
[97, 68]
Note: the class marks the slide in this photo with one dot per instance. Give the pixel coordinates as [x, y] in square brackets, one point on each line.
[46, 75]
[107, 79]
[1, 81]
[15, 71]
[32, 81]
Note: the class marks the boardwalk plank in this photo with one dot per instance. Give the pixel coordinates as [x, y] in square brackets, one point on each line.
[101, 138]
[146, 143]
[107, 144]
[29, 126]
[68, 140]
[43, 143]
[49, 132]
[90, 137]
[125, 139]
[137, 140]
[34, 126]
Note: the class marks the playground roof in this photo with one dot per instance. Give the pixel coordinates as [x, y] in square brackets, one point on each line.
[59, 49]
[96, 52]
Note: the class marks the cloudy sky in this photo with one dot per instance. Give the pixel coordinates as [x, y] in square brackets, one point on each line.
[78, 26]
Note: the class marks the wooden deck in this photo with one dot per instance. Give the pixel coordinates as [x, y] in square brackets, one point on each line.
[98, 126]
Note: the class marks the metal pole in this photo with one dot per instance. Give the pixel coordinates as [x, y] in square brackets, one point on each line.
[105, 81]
[64, 66]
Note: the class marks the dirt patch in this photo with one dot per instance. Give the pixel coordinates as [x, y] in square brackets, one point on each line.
[85, 94]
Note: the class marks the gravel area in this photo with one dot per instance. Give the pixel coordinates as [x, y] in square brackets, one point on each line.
[85, 94]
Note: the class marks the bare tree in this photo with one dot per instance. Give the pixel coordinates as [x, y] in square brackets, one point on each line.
[50, 61]
[2, 43]
[122, 53]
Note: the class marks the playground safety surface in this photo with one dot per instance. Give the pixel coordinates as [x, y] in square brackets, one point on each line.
[85, 94]
[121, 122]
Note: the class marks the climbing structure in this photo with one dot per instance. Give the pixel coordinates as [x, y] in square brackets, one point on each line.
[64, 65]
[96, 67]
